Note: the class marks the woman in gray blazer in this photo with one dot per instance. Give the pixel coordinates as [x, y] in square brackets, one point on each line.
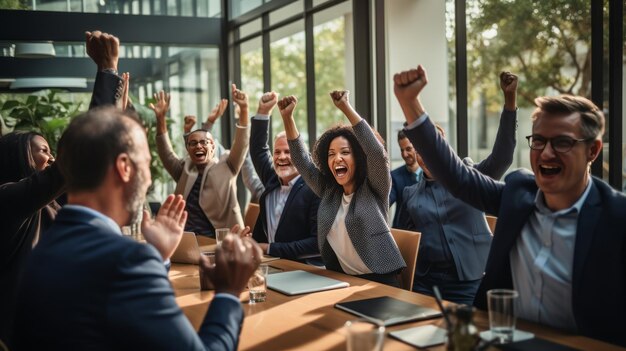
[350, 173]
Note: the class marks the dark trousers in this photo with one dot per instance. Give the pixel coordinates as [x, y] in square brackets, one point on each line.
[451, 288]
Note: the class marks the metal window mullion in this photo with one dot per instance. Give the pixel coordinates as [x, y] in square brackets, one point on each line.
[597, 60]
[309, 38]
[616, 54]
[363, 60]
[267, 60]
[381, 73]
[460, 31]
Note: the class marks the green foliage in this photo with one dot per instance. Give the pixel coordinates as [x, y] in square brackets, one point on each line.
[45, 113]
[546, 42]
[288, 69]
[14, 4]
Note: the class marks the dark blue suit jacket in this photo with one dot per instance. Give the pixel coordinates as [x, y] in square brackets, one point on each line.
[296, 234]
[599, 269]
[20, 212]
[401, 177]
[87, 287]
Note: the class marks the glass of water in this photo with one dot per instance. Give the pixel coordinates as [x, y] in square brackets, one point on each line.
[501, 303]
[257, 285]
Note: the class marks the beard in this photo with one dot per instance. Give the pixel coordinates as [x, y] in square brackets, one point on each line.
[135, 196]
[286, 172]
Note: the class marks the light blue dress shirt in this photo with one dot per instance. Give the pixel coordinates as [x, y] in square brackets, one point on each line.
[542, 263]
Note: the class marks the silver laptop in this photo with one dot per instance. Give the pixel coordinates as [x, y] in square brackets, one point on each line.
[302, 282]
[188, 250]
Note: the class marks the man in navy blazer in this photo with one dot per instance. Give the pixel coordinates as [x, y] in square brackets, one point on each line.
[287, 222]
[560, 240]
[88, 287]
[403, 176]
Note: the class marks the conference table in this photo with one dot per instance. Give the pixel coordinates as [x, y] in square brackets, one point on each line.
[310, 322]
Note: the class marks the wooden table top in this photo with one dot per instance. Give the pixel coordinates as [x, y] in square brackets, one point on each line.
[310, 322]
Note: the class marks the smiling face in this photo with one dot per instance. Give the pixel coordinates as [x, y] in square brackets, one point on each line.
[562, 177]
[200, 147]
[285, 170]
[408, 153]
[342, 163]
[41, 153]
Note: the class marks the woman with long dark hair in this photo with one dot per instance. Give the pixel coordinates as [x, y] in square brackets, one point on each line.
[350, 173]
[29, 183]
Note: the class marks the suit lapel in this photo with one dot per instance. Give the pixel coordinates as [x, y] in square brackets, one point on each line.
[587, 221]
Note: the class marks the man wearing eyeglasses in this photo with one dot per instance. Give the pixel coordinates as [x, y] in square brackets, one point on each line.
[208, 185]
[560, 240]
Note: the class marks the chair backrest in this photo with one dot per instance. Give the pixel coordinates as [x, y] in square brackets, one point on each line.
[408, 242]
[252, 212]
[491, 222]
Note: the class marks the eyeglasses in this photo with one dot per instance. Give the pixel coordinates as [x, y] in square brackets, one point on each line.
[560, 144]
[203, 142]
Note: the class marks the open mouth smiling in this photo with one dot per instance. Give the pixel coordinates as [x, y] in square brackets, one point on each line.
[549, 170]
[341, 171]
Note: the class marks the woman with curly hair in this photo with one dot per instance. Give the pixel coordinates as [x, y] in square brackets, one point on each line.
[350, 173]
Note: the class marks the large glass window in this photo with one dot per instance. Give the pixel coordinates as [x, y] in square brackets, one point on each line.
[288, 70]
[252, 71]
[546, 43]
[334, 62]
[190, 8]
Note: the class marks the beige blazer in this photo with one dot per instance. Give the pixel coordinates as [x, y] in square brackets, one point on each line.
[218, 191]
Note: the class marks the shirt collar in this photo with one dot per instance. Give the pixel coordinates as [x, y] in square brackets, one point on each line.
[540, 202]
[108, 221]
[291, 182]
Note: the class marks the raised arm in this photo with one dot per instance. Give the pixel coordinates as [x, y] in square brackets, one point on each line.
[239, 149]
[215, 114]
[103, 48]
[188, 123]
[378, 172]
[259, 138]
[299, 154]
[462, 181]
[172, 163]
[501, 157]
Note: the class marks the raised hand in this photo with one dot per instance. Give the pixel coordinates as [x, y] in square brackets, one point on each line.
[166, 230]
[286, 106]
[162, 104]
[508, 84]
[267, 103]
[217, 111]
[239, 97]
[236, 259]
[340, 98]
[408, 84]
[189, 123]
[103, 48]
[160, 109]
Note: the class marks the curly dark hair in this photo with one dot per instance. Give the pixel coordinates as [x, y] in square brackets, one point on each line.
[320, 154]
[16, 156]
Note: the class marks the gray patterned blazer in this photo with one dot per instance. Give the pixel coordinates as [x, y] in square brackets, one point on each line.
[366, 220]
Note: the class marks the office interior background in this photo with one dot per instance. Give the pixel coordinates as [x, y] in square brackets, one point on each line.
[195, 49]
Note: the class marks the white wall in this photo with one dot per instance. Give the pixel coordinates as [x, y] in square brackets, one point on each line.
[416, 34]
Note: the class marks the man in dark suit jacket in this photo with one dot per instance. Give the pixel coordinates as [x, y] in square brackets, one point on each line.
[88, 287]
[560, 240]
[287, 222]
[403, 176]
[21, 203]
